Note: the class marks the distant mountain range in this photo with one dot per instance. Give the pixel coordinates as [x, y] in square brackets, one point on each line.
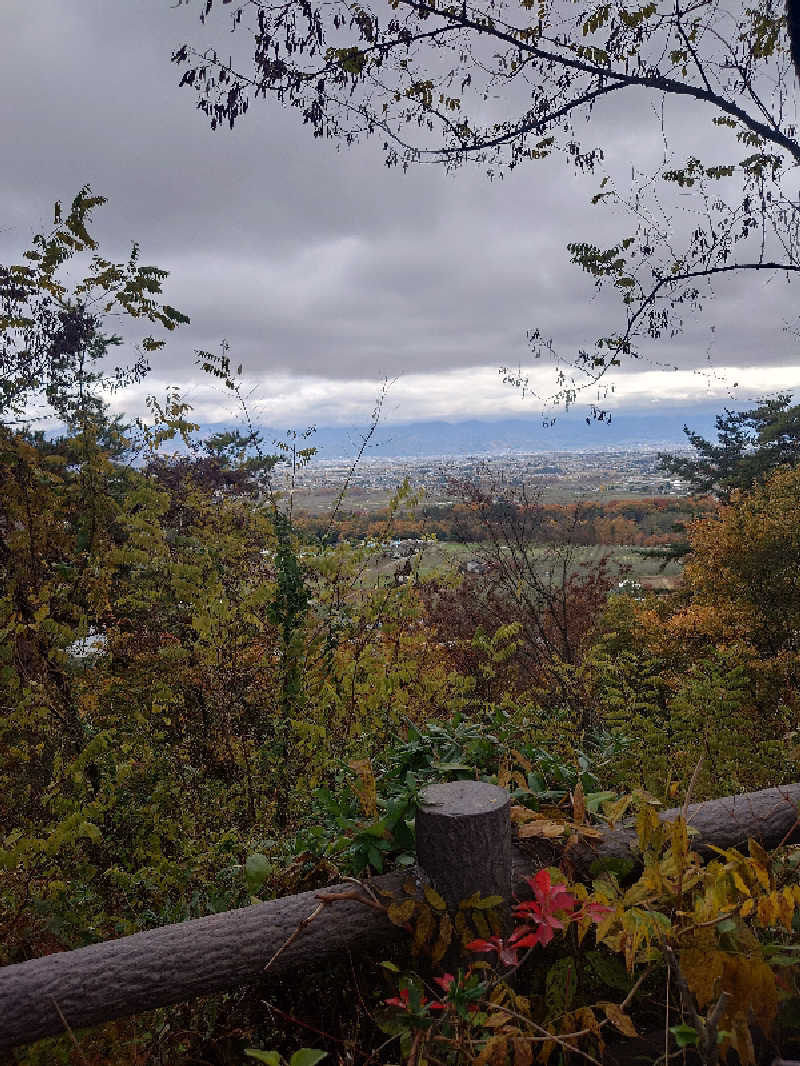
[570, 432]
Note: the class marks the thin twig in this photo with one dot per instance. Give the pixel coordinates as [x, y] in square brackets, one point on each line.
[65, 1023]
[635, 989]
[666, 1016]
[690, 789]
[369, 900]
[413, 1052]
[547, 1035]
[304, 1025]
[300, 927]
[356, 897]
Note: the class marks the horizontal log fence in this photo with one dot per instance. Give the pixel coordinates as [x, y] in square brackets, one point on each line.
[463, 846]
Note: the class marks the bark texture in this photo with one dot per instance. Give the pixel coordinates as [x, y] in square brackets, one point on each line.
[769, 816]
[176, 962]
[464, 840]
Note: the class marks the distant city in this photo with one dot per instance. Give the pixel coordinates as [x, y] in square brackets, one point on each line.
[555, 475]
[566, 460]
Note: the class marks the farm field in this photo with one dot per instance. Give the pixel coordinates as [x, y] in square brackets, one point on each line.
[449, 556]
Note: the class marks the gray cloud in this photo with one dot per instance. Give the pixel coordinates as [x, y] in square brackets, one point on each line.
[318, 264]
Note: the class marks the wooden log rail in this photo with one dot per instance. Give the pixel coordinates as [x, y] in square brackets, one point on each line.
[463, 842]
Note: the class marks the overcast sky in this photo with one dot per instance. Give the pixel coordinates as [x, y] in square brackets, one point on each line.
[325, 271]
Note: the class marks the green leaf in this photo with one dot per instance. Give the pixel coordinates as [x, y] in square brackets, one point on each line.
[561, 984]
[307, 1056]
[618, 867]
[685, 1035]
[257, 870]
[272, 1058]
[610, 970]
[88, 829]
[595, 799]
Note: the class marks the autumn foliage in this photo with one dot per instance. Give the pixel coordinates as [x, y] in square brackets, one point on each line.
[204, 702]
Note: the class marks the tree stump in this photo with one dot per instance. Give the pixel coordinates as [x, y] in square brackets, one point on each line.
[464, 840]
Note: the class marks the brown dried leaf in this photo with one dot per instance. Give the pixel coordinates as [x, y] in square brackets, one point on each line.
[548, 830]
[520, 759]
[496, 1019]
[494, 1053]
[522, 814]
[619, 1019]
[523, 1055]
[579, 804]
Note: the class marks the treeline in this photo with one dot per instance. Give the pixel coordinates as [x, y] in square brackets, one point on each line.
[650, 522]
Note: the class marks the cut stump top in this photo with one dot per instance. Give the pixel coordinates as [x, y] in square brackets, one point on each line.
[462, 799]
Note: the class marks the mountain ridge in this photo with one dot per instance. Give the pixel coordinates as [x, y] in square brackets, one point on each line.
[437, 437]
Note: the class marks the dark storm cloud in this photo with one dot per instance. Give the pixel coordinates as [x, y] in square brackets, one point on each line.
[316, 264]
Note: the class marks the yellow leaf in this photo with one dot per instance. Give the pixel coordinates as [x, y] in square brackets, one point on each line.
[423, 928]
[758, 853]
[365, 787]
[480, 923]
[547, 1049]
[785, 904]
[766, 911]
[762, 874]
[702, 969]
[747, 908]
[737, 880]
[401, 913]
[435, 900]
[614, 810]
[443, 939]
